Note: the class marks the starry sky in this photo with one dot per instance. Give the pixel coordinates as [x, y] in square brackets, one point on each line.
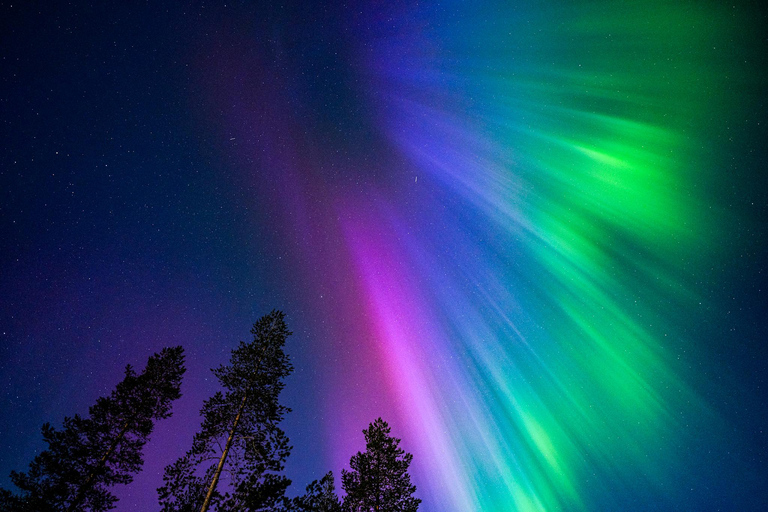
[530, 235]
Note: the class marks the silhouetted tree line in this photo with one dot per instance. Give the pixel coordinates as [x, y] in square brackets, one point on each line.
[239, 437]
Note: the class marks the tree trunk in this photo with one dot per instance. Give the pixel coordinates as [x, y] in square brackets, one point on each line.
[89, 481]
[223, 457]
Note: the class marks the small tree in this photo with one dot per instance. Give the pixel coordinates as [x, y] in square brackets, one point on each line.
[239, 439]
[320, 497]
[379, 479]
[88, 455]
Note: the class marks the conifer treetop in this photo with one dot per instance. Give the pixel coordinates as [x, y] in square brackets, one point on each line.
[378, 480]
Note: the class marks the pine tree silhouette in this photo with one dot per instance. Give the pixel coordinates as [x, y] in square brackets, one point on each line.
[88, 455]
[379, 479]
[239, 437]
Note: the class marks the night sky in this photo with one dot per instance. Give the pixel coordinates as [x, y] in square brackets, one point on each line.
[532, 236]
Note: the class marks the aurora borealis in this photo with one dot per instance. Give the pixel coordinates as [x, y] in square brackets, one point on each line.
[531, 236]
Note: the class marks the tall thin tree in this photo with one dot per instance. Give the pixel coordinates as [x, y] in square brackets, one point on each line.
[379, 479]
[88, 455]
[240, 437]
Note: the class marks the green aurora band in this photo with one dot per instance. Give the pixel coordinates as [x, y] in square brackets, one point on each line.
[577, 146]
